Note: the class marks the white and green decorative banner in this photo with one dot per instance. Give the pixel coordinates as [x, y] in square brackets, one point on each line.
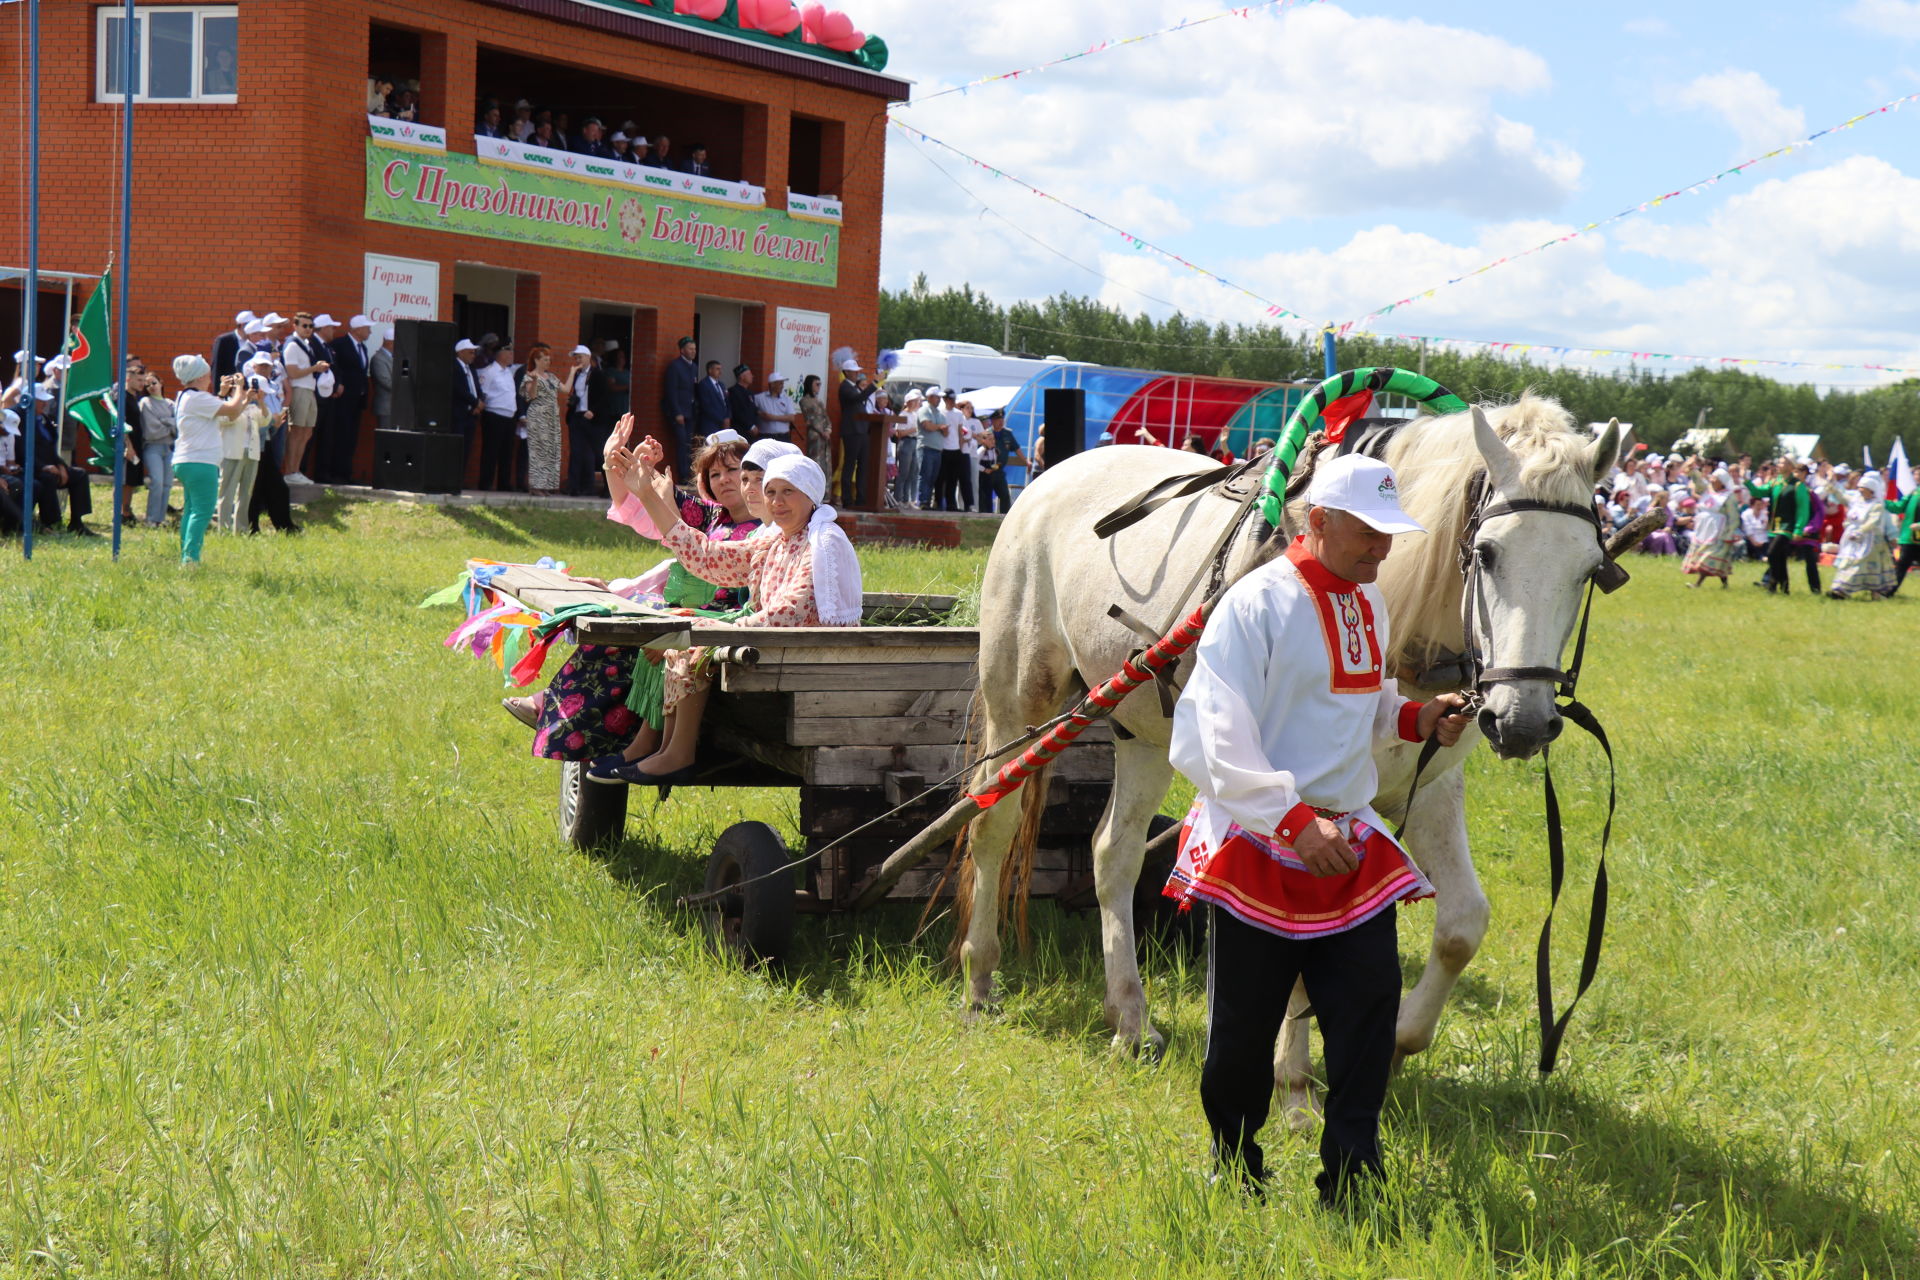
[457, 193]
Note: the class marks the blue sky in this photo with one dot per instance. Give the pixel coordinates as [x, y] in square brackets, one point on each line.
[1337, 156]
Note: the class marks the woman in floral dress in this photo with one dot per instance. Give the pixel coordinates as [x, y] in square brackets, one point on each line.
[803, 573]
[541, 390]
[583, 712]
[819, 437]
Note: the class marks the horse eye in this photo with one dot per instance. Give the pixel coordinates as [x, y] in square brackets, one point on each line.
[1485, 555]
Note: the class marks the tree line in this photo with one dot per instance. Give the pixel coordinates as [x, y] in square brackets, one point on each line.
[1662, 404]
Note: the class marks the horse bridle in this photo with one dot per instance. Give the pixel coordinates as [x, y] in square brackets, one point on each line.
[1608, 576]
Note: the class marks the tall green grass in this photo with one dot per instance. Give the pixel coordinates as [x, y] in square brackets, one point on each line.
[296, 978]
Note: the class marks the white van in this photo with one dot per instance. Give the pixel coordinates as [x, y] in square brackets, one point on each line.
[960, 366]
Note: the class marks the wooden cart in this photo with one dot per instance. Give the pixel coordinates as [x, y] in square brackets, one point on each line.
[860, 719]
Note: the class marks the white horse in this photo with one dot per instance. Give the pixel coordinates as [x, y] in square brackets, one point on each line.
[1046, 634]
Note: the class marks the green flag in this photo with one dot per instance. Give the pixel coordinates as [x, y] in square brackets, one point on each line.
[91, 376]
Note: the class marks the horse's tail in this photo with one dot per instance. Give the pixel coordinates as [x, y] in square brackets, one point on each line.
[1016, 871]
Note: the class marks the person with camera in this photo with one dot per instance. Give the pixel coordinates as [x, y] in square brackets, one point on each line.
[242, 439]
[198, 416]
[155, 416]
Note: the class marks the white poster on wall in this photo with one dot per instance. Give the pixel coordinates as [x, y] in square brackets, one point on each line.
[800, 347]
[399, 289]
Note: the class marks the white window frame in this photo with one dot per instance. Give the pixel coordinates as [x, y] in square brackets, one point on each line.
[106, 14]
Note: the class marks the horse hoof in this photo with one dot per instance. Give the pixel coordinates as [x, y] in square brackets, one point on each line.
[1150, 1048]
[1302, 1112]
[979, 1011]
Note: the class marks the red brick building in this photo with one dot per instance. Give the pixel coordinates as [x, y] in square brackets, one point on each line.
[261, 183]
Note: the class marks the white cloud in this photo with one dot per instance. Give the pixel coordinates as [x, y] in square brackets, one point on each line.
[1748, 105]
[1898, 18]
[1647, 27]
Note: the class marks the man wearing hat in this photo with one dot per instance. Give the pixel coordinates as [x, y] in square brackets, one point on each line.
[226, 348]
[775, 410]
[352, 362]
[742, 413]
[466, 399]
[855, 434]
[1276, 729]
[677, 406]
[589, 420]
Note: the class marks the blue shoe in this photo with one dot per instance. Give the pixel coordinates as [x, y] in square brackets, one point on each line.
[607, 769]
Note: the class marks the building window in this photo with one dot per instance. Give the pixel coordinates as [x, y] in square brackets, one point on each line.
[180, 54]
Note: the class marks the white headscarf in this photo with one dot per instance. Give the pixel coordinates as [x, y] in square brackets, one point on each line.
[1874, 485]
[765, 450]
[837, 593]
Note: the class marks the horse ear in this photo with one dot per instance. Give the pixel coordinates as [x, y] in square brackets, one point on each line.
[1501, 466]
[1606, 450]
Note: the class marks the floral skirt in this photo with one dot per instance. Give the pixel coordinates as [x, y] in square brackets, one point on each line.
[1712, 558]
[584, 713]
[1864, 575]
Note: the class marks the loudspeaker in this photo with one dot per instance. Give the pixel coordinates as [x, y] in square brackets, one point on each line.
[1064, 411]
[419, 461]
[423, 376]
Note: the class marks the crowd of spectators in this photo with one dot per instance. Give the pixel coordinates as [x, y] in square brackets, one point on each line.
[547, 127]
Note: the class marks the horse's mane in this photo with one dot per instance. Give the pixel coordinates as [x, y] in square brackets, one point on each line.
[1436, 462]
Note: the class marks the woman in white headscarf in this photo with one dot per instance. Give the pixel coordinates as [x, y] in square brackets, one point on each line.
[1716, 527]
[1864, 565]
[802, 570]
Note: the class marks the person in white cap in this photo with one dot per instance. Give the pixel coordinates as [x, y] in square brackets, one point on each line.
[588, 421]
[227, 357]
[1276, 728]
[466, 398]
[906, 434]
[775, 410]
[199, 414]
[340, 439]
[305, 358]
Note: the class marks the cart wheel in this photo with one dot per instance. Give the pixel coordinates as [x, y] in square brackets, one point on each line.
[592, 815]
[1159, 917]
[754, 921]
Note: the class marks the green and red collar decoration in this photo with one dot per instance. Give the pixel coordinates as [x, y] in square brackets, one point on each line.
[1339, 402]
[810, 28]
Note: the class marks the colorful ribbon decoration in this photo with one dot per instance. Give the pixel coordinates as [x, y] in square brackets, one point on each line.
[1622, 353]
[1690, 190]
[1274, 309]
[1102, 46]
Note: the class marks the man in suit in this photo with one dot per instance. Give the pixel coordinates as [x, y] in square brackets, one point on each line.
[490, 124]
[466, 399]
[711, 410]
[380, 374]
[697, 161]
[350, 362]
[226, 347]
[593, 142]
[589, 419]
[677, 406]
[742, 412]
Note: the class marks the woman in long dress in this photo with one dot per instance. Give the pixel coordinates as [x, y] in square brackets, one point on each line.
[1864, 565]
[1716, 528]
[803, 572]
[541, 390]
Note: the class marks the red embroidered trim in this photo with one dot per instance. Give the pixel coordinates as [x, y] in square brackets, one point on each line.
[1322, 583]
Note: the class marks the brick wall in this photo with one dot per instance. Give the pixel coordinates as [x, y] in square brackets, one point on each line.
[257, 204]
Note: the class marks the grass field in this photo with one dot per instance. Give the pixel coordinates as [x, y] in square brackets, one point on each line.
[296, 978]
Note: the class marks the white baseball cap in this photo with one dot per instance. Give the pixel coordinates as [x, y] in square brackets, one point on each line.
[1363, 487]
[581, 350]
[273, 318]
[359, 322]
[726, 435]
[776, 376]
[935, 392]
[61, 361]
[260, 357]
[463, 345]
[244, 318]
[254, 326]
[44, 394]
[850, 366]
[325, 321]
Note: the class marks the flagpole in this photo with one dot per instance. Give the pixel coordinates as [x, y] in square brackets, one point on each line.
[126, 236]
[31, 296]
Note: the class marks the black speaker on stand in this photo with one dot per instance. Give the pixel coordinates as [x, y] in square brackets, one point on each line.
[423, 375]
[1064, 411]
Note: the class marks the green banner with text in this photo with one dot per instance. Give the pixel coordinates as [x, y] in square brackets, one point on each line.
[448, 192]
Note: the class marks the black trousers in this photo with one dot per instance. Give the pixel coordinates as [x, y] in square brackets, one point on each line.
[270, 497]
[855, 464]
[345, 440]
[956, 481]
[1353, 980]
[993, 484]
[1905, 556]
[496, 451]
[586, 441]
[1784, 548]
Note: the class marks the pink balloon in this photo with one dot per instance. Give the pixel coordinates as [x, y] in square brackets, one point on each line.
[812, 14]
[776, 17]
[785, 20]
[838, 32]
[710, 10]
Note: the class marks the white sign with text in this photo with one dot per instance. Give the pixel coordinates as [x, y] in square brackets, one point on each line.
[400, 289]
[800, 347]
